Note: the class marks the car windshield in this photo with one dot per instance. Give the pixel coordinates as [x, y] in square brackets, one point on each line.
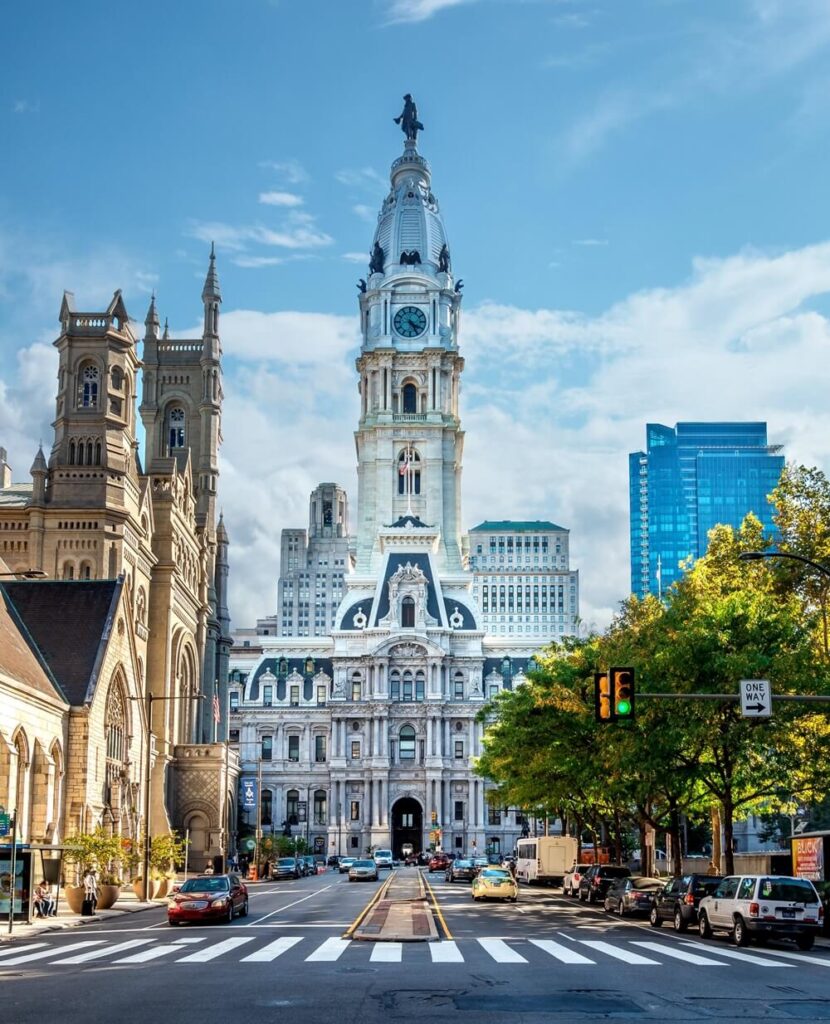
[492, 873]
[646, 883]
[706, 886]
[795, 890]
[383, 853]
[286, 862]
[463, 863]
[205, 885]
[363, 864]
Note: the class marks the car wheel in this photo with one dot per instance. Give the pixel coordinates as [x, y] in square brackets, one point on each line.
[514, 899]
[740, 932]
[581, 897]
[703, 926]
[680, 924]
[244, 911]
[805, 942]
[172, 923]
[621, 909]
[654, 918]
[229, 918]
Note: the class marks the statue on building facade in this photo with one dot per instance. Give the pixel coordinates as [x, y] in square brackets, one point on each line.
[376, 259]
[408, 120]
[361, 285]
[410, 258]
[444, 260]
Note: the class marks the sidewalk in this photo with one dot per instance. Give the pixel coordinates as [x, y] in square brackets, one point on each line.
[401, 915]
[127, 903]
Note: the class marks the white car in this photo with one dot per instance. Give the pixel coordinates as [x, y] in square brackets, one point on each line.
[570, 883]
[763, 907]
[383, 858]
[345, 863]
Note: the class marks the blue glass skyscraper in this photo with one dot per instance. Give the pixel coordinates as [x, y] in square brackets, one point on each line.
[690, 478]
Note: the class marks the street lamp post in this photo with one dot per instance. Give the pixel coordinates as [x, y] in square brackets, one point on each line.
[150, 699]
[756, 556]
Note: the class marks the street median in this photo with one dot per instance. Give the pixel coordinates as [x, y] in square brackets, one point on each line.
[399, 912]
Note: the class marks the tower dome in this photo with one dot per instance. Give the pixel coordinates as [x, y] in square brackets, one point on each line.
[410, 230]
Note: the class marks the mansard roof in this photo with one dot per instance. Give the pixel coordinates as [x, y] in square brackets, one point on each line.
[517, 526]
[19, 659]
[67, 626]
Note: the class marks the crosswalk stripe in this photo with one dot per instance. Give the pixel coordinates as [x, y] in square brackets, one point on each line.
[802, 958]
[330, 950]
[680, 954]
[16, 949]
[627, 955]
[749, 958]
[201, 956]
[501, 952]
[560, 952]
[153, 953]
[272, 950]
[97, 954]
[26, 958]
[445, 953]
[387, 953]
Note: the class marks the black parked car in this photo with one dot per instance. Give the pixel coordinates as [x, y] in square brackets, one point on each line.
[597, 880]
[632, 895]
[461, 871]
[679, 899]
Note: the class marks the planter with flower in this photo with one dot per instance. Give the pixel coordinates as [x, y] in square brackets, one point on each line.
[101, 853]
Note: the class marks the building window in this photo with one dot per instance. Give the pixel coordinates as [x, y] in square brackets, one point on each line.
[267, 696]
[319, 748]
[458, 810]
[295, 697]
[410, 398]
[266, 807]
[292, 806]
[175, 428]
[355, 750]
[493, 815]
[406, 693]
[354, 810]
[321, 695]
[293, 748]
[354, 842]
[411, 468]
[459, 749]
[356, 686]
[408, 613]
[407, 743]
[320, 817]
[233, 735]
[234, 695]
[395, 685]
[267, 747]
[458, 686]
[88, 387]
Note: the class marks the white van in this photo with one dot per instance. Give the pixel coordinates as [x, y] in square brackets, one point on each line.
[383, 858]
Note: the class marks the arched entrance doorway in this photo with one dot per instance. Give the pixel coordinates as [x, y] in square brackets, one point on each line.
[407, 825]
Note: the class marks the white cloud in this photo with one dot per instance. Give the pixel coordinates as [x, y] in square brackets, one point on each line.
[298, 232]
[25, 106]
[280, 199]
[290, 338]
[291, 171]
[364, 178]
[591, 242]
[419, 10]
[252, 262]
[365, 213]
[355, 257]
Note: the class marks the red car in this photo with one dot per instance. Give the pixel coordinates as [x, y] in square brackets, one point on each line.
[208, 898]
[438, 862]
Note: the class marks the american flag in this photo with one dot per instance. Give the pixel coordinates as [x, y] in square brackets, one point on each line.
[217, 714]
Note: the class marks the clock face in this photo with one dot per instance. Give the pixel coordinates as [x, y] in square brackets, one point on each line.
[410, 322]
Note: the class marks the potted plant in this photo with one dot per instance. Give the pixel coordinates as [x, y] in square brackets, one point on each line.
[166, 851]
[100, 852]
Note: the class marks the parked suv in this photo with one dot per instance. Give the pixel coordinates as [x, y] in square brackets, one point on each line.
[679, 900]
[596, 881]
[763, 907]
[570, 883]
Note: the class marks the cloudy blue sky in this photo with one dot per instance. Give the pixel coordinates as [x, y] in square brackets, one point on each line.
[635, 191]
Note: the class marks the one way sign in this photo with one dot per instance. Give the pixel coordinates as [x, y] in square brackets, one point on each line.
[756, 701]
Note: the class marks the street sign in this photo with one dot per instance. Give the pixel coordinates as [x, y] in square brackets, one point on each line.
[249, 794]
[5, 824]
[756, 700]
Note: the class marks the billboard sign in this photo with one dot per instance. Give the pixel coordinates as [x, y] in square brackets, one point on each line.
[808, 857]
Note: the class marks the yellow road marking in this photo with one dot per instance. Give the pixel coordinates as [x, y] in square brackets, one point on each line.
[375, 899]
[437, 909]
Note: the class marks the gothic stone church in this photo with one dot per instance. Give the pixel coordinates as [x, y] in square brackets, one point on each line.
[132, 594]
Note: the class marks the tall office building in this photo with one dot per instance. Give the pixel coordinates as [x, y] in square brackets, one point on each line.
[521, 579]
[690, 478]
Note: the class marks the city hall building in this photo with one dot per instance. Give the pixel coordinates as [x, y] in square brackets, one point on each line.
[366, 736]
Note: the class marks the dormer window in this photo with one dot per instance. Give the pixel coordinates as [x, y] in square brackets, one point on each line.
[408, 613]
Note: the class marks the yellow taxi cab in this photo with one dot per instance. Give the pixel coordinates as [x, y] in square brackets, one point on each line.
[495, 884]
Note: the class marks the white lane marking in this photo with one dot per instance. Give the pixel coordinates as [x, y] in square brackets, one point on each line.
[560, 952]
[387, 953]
[201, 956]
[16, 949]
[189, 940]
[733, 954]
[26, 958]
[330, 950]
[446, 952]
[97, 954]
[501, 952]
[626, 955]
[802, 958]
[680, 954]
[272, 950]
[294, 904]
[153, 953]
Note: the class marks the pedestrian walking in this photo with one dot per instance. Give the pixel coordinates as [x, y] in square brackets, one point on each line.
[90, 883]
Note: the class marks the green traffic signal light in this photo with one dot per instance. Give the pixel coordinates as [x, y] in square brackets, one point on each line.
[622, 688]
[624, 707]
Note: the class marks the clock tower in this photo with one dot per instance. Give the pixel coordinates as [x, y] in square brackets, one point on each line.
[409, 438]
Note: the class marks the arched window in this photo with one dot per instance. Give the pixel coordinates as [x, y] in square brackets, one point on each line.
[85, 571]
[89, 453]
[357, 685]
[407, 743]
[406, 690]
[409, 467]
[115, 737]
[141, 606]
[410, 398]
[309, 666]
[320, 807]
[88, 387]
[71, 453]
[458, 686]
[408, 612]
[97, 453]
[395, 685]
[175, 428]
[267, 807]
[68, 571]
[420, 680]
[292, 806]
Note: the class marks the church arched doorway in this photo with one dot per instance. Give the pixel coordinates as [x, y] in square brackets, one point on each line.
[407, 825]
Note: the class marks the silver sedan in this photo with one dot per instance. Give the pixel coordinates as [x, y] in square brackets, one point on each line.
[363, 871]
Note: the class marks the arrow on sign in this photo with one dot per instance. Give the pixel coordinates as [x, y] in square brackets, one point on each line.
[756, 707]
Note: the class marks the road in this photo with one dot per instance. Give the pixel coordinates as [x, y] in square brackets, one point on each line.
[545, 958]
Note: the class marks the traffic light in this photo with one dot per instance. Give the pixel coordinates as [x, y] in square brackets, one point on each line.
[602, 697]
[622, 689]
[435, 817]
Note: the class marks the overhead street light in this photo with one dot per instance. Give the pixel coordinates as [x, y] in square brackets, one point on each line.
[756, 556]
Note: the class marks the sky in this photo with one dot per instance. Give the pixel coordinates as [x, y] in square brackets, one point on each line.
[635, 192]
